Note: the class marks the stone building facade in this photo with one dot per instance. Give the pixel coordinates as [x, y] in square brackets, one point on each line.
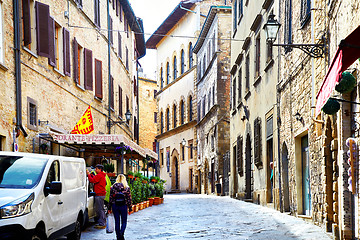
[310, 162]
[69, 57]
[176, 77]
[147, 112]
[253, 113]
[213, 95]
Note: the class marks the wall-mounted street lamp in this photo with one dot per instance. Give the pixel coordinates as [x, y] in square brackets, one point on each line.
[111, 122]
[272, 27]
[183, 143]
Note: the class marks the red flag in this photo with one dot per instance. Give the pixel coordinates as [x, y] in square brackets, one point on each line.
[85, 124]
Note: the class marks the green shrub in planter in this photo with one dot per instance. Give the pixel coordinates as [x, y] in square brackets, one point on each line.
[346, 83]
[331, 106]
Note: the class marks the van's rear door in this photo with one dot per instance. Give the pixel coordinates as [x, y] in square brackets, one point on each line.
[74, 188]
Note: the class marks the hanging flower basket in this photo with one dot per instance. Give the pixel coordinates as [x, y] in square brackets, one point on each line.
[331, 106]
[346, 83]
[123, 149]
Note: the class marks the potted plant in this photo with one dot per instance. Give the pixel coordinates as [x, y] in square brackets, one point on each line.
[109, 169]
[138, 175]
[130, 175]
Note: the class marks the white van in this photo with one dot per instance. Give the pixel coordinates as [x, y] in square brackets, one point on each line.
[42, 196]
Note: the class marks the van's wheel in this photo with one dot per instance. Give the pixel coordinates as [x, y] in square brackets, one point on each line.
[38, 234]
[86, 220]
[76, 234]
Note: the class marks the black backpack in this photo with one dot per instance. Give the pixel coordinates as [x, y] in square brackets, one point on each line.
[120, 199]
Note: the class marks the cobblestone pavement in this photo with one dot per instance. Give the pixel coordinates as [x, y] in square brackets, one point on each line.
[187, 216]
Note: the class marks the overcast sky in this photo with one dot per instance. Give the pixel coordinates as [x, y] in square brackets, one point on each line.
[153, 13]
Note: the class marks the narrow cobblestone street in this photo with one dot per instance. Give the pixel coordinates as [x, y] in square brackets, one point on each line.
[186, 216]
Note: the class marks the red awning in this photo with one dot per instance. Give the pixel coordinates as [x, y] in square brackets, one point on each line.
[346, 54]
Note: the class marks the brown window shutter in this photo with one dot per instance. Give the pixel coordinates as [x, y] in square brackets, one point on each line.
[98, 79]
[76, 69]
[134, 87]
[239, 156]
[120, 12]
[120, 102]
[120, 45]
[42, 28]
[26, 22]
[112, 92]
[113, 4]
[117, 7]
[66, 50]
[88, 73]
[127, 104]
[52, 57]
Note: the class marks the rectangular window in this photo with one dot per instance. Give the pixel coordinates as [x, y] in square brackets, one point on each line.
[78, 63]
[52, 42]
[155, 117]
[66, 52]
[120, 45]
[155, 92]
[287, 25]
[257, 142]
[234, 93]
[162, 158]
[32, 113]
[127, 104]
[117, 7]
[42, 29]
[305, 11]
[88, 69]
[191, 150]
[120, 12]
[28, 24]
[97, 13]
[239, 84]
[120, 102]
[241, 11]
[257, 57]
[199, 111]
[247, 73]
[58, 47]
[98, 79]
[204, 106]
[127, 58]
[213, 95]
[239, 156]
[182, 153]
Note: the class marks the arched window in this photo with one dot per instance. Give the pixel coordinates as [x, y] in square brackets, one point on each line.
[190, 55]
[175, 68]
[161, 122]
[190, 109]
[182, 61]
[182, 112]
[161, 78]
[167, 73]
[174, 116]
[167, 119]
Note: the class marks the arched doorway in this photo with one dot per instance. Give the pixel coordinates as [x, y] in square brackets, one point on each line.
[285, 177]
[175, 172]
[248, 171]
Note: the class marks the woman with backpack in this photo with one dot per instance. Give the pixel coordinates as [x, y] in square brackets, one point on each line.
[119, 203]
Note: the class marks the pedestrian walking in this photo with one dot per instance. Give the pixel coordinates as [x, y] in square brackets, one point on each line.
[100, 191]
[120, 203]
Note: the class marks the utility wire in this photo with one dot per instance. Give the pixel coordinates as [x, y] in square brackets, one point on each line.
[157, 34]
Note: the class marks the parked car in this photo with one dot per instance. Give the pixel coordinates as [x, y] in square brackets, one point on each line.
[42, 196]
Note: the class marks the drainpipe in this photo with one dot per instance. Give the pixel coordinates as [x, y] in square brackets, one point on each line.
[109, 67]
[18, 66]
[278, 121]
